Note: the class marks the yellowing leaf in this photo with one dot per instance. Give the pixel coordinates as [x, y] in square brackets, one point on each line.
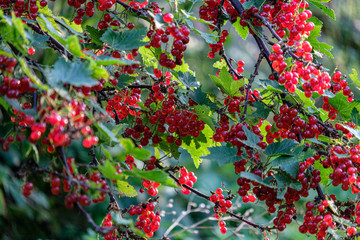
[126, 189]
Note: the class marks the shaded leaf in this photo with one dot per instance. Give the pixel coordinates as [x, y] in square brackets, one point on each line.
[188, 80]
[223, 155]
[106, 132]
[125, 40]
[262, 111]
[273, 86]
[203, 112]
[355, 116]
[255, 178]
[198, 96]
[74, 73]
[283, 147]
[252, 139]
[95, 34]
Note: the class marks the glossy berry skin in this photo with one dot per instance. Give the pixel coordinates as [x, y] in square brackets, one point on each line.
[168, 17]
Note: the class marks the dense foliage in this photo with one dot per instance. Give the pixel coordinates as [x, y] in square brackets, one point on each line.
[114, 82]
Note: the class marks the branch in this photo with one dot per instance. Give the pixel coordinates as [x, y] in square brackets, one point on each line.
[64, 161]
[227, 60]
[140, 12]
[251, 80]
[200, 194]
[94, 161]
[53, 43]
[98, 229]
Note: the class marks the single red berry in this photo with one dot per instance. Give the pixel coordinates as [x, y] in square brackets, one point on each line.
[168, 17]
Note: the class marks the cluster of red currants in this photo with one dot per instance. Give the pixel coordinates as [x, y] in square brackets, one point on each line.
[151, 187]
[187, 178]
[221, 207]
[290, 125]
[27, 188]
[160, 36]
[123, 102]
[148, 221]
[19, 7]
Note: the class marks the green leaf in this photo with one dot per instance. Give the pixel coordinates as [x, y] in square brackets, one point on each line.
[273, 86]
[95, 34]
[108, 60]
[38, 40]
[342, 155]
[106, 132]
[188, 80]
[197, 148]
[154, 175]
[355, 116]
[126, 189]
[220, 64]
[183, 68]
[290, 164]
[226, 83]
[305, 100]
[203, 112]
[340, 103]
[329, 12]
[354, 84]
[223, 155]
[242, 31]
[201, 98]
[255, 178]
[318, 46]
[252, 139]
[119, 129]
[50, 25]
[283, 147]
[141, 153]
[125, 40]
[36, 152]
[73, 45]
[355, 132]
[2, 203]
[5, 104]
[117, 218]
[109, 171]
[138, 153]
[148, 57]
[125, 80]
[74, 73]
[262, 111]
[314, 140]
[106, 152]
[209, 38]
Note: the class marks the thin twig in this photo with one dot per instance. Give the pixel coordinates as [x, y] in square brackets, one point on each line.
[53, 43]
[251, 80]
[98, 229]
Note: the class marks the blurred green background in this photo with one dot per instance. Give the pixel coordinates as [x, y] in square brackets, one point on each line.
[43, 216]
